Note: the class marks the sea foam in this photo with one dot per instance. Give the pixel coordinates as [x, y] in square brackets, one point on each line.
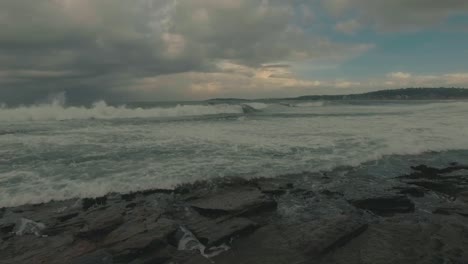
[62, 160]
[101, 110]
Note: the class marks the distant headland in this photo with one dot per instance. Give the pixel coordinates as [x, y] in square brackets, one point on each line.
[395, 94]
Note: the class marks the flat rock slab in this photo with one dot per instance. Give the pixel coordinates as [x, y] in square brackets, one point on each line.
[100, 222]
[385, 206]
[213, 233]
[333, 234]
[97, 257]
[137, 227]
[292, 242]
[411, 191]
[452, 211]
[463, 197]
[447, 188]
[403, 243]
[268, 244]
[134, 244]
[34, 250]
[241, 200]
[458, 173]
[125, 232]
[314, 225]
[73, 225]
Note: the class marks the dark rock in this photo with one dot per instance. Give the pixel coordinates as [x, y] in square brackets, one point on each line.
[426, 170]
[182, 190]
[454, 168]
[300, 242]
[331, 194]
[303, 193]
[196, 258]
[6, 230]
[90, 202]
[34, 250]
[101, 222]
[411, 191]
[72, 225]
[446, 188]
[213, 233]
[129, 196]
[336, 233]
[161, 256]
[143, 211]
[313, 225]
[97, 257]
[386, 206]
[236, 201]
[150, 242]
[448, 182]
[402, 242]
[269, 244]
[7, 227]
[273, 187]
[131, 205]
[66, 216]
[443, 211]
[129, 230]
[463, 197]
[155, 191]
[429, 171]
[452, 211]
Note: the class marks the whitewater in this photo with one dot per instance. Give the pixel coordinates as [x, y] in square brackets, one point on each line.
[53, 151]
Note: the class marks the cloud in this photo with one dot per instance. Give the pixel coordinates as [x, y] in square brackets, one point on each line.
[274, 80]
[36, 74]
[348, 27]
[346, 84]
[231, 80]
[95, 49]
[399, 75]
[398, 15]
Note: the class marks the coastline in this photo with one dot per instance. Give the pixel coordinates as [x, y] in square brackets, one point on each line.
[418, 217]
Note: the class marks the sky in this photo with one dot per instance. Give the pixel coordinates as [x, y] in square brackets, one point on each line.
[159, 50]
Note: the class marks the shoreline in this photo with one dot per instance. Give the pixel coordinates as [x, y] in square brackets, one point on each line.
[418, 217]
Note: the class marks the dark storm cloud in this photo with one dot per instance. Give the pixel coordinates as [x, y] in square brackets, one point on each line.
[83, 47]
[98, 48]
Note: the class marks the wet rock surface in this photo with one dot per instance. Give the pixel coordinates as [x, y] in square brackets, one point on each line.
[386, 206]
[235, 201]
[421, 217]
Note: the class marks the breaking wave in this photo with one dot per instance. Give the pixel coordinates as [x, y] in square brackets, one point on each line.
[311, 104]
[101, 110]
[258, 106]
[44, 161]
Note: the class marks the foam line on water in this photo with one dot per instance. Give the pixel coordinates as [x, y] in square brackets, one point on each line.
[101, 110]
[67, 160]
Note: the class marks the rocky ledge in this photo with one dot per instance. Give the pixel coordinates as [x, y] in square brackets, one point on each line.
[421, 217]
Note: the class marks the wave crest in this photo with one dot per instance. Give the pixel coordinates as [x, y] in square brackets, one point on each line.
[311, 104]
[56, 111]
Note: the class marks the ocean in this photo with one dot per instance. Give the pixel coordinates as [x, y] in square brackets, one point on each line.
[53, 151]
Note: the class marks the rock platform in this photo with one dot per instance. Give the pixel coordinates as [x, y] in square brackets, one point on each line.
[421, 217]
